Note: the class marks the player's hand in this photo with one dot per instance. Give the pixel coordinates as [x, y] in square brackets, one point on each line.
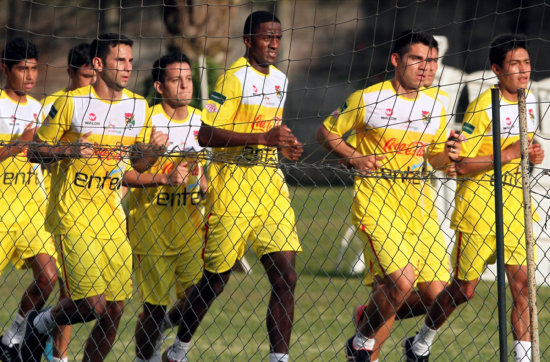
[365, 164]
[159, 141]
[280, 136]
[28, 133]
[450, 171]
[179, 175]
[83, 148]
[293, 152]
[453, 145]
[536, 153]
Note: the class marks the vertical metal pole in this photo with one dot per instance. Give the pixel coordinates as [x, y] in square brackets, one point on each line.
[528, 217]
[501, 276]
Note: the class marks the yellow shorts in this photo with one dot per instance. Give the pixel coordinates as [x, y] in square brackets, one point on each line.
[92, 266]
[17, 246]
[156, 275]
[472, 252]
[387, 251]
[226, 236]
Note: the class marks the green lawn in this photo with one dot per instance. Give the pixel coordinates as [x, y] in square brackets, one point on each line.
[234, 328]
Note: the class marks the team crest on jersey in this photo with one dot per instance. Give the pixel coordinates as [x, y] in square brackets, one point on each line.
[278, 91]
[426, 117]
[531, 114]
[130, 120]
[196, 134]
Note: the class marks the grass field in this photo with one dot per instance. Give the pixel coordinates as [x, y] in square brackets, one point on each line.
[234, 327]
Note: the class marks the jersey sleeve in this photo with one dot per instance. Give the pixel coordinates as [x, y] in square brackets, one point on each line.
[348, 116]
[57, 122]
[144, 135]
[474, 127]
[221, 108]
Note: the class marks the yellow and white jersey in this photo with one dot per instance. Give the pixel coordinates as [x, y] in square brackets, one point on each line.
[245, 179]
[474, 202]
[402, 130]
[85, 194]
[21, 197]
[162, 217]
[48, 102]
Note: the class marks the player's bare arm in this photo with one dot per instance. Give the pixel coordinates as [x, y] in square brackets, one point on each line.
[19, 144]
[178, 176]
[336, 144]
[40, 152]
[450, 153]
[144, 155]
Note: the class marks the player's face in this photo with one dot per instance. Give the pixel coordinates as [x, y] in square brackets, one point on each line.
[177, 88]
[117, 68]
[415, 68]
[21, 78]
[263, 46]
[82, 77]
[515, 71]
[430, 71]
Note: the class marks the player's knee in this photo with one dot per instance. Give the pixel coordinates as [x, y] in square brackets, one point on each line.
[92, 307]
[286, 281]
[463, 293]
[214, 284]
[46, 280]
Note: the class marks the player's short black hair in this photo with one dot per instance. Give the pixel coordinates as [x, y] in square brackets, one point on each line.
[407, 38]
[18, 49]
[159, 67]
[79, 56]
[502, 44]
[253, 21]
[101, 46]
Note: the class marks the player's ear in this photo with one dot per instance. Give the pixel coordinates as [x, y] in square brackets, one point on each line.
[97, 63]
[496, 69]
[158, 87]
[5, 70]
[395, 59]
[247, 41]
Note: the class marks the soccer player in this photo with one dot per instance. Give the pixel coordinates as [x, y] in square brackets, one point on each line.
[247, 193]
[87, 136]
[474, 215]
[432, 274]
[396, 122]
[23, 238]
[166, 222]
[81, 74]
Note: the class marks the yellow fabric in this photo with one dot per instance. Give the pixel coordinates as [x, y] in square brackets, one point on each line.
[226, 237]
[85, 197]
[93, 266]
[246, 180]
[156, 275]
[402, 130]
[22, 199]
[164, 219]
[474, 202]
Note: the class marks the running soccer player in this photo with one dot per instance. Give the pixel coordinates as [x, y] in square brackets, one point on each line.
[474, 214]
[166, 222]
[87, 136]
[23, 238]
[247, 193]
[81, 74]
[396, 122]
[432, 274]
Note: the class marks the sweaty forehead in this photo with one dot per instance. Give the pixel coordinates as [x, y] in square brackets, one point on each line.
[269, 27]
[517, 54]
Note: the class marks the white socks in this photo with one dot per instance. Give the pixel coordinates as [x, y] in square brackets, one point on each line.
[14, 334]
[278, 357]
[362, 342]
[44, 321]
[522, 351]
[423, 341]
[178, 351]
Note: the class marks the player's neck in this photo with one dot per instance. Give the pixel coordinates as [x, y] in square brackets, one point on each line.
[403, 91]
[507, 95]
[18, 97]
[103, 91]
[262, 68]
[179, 113]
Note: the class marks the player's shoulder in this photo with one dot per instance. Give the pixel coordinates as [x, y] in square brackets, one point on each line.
[481, 102]
[50, 99]
[33, 102]
[126, 93]
[238, 66]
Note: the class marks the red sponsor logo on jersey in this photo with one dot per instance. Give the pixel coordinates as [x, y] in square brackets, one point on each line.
[92, 117]
[211, 108]
[389, 112]
[169, 167]
[34, 116]
[265, 125]
[508, 121]
[12, 119]
[416, 148]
